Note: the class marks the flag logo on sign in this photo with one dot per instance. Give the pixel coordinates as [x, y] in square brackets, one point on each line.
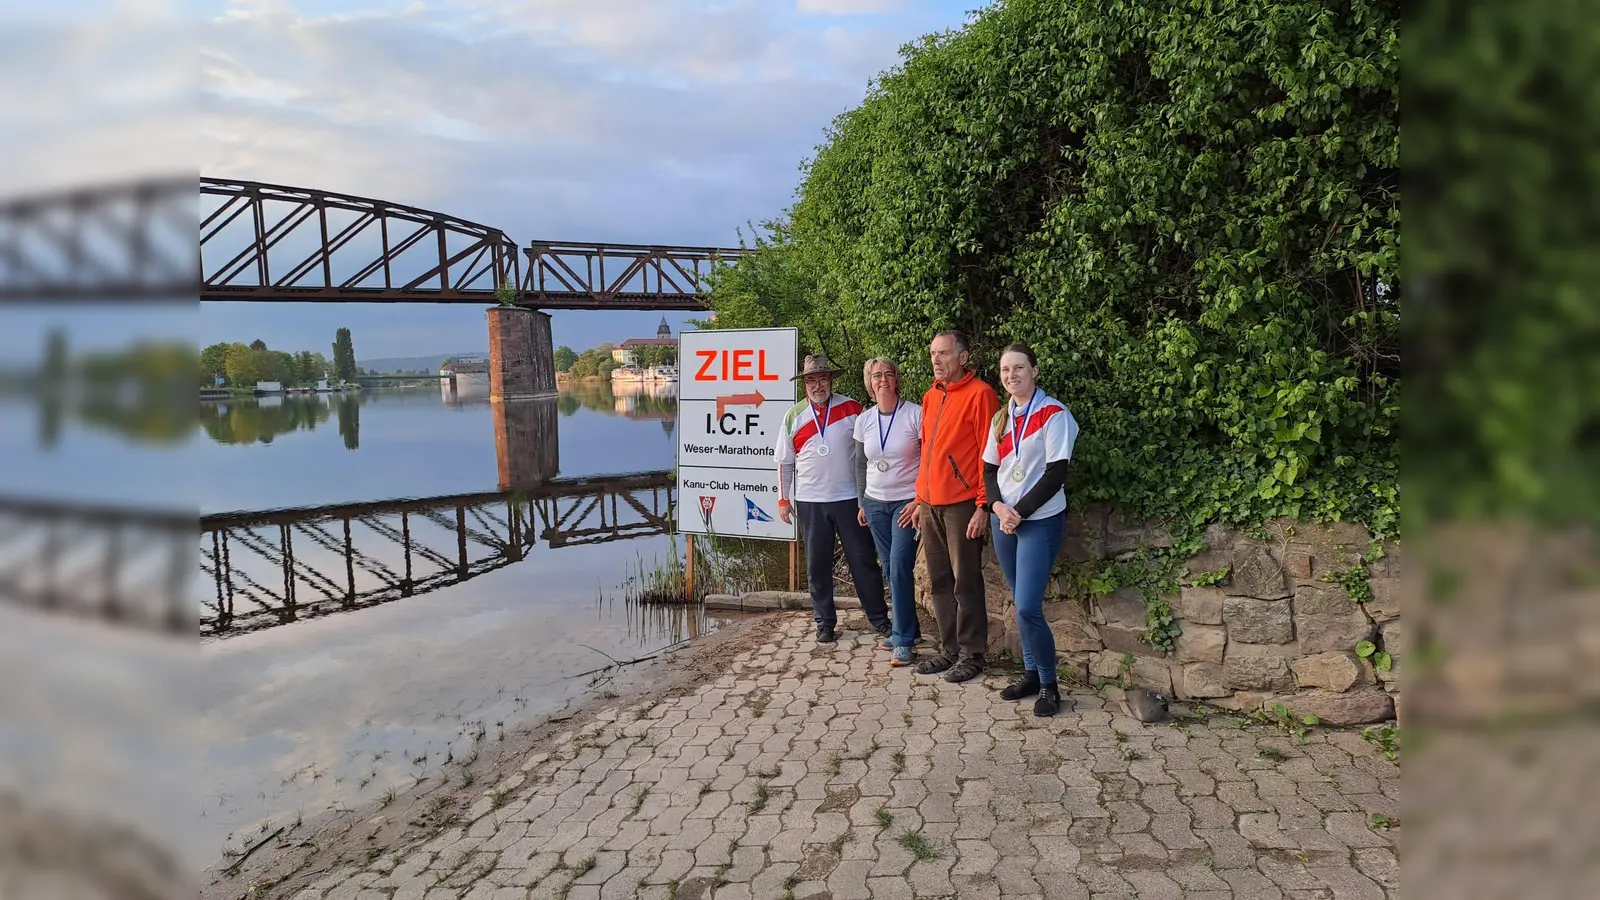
[754, 513]
[706, 503]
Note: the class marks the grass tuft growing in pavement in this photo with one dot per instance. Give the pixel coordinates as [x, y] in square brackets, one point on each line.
[918, 845]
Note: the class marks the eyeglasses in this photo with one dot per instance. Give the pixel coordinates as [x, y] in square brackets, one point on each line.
[884, 376]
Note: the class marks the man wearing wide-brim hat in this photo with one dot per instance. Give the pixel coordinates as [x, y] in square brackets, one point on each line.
[817, 474]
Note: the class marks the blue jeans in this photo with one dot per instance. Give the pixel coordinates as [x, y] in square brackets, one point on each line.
[897, 549]
[1026, 559]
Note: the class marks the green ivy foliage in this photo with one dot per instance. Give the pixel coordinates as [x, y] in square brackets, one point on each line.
[1503, 161]
[1190, 210]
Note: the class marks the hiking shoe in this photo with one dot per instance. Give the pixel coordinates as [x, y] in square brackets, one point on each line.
[826, 634]
[965, 669]
[935, 665]
[1049, 701]
[884, 630]
[1026, 686]
[886, 643]
[901, 657]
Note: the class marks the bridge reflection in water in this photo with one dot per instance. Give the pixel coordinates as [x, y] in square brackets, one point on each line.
[275, 567]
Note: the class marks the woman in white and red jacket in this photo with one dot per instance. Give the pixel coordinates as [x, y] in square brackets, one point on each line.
[1025, 463]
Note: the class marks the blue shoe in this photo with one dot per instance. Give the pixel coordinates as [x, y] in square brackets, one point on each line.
[900, 657]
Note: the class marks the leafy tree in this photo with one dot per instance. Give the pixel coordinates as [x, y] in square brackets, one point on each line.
[646, 357]
[258, 344]
[1190, 211]
[564, 358]
[287, 367]
[213, 362]
[587, 365]
[241, 365]
[308, 368]
[344, 355]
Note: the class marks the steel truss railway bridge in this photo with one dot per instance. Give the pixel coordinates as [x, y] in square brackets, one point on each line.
[147, 242]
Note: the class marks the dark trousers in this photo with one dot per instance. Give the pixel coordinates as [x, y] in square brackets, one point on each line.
[820, 523]
[955, 576]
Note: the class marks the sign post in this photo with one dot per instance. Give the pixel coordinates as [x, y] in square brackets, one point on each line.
[733, 390]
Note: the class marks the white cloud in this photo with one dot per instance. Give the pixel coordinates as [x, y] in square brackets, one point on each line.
[568, 119]
[96, 102]
[848, 7]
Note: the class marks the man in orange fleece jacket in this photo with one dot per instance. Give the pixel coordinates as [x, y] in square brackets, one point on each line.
[956, 414]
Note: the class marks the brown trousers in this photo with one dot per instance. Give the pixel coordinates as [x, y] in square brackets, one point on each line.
[955, 575]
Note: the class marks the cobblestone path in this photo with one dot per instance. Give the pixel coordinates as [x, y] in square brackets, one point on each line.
[819, 772]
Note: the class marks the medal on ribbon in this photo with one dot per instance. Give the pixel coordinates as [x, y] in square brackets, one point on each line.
[1017, 424]
[883, 437]
[822, 426]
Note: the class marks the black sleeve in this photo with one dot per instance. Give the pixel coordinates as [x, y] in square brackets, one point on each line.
[861, 473]
[1054, 479]
[991, 485]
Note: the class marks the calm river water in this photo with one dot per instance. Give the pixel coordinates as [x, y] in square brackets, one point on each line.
[425, 612]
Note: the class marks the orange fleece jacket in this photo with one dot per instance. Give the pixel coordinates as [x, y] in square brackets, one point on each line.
[955, 420]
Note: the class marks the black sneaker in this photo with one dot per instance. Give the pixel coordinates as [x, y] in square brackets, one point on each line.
[1026, 686]
[883, 630]
[965, 669]
[826, 634]
[1049, 701]
[934, 665]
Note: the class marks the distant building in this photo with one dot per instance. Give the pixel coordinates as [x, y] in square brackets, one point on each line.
[623, 352]
[465, 372]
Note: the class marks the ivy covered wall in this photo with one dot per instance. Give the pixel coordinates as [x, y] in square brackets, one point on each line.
[1190, 210]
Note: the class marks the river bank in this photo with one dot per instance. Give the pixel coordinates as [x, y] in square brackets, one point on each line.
[322, 843]
[758, 763]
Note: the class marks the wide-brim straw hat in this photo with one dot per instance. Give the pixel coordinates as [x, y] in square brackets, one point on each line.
[818, 365]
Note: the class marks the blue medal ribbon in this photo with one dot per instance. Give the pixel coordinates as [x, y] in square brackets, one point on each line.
[822, 426]
[883, 433]
[1017, 424]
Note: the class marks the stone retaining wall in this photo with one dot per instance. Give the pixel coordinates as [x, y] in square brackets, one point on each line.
[1278, 629]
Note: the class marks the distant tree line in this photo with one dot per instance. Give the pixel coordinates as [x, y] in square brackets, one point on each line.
[646, 357]
[243, 365]
[597, 362]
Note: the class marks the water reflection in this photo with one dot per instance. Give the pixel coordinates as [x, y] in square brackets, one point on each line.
[275, 567]
[250, 420]
[141, 392]
[630, 399]
[349, 409]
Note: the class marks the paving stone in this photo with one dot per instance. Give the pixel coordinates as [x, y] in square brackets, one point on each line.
[1016, 808]
[1346, 882]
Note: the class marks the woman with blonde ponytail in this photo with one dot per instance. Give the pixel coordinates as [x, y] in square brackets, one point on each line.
[1025, 473]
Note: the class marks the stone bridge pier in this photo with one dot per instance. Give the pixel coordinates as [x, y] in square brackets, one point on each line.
[522, 359]
[522, 384]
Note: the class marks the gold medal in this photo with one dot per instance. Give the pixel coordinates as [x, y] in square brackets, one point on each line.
[1016, 473]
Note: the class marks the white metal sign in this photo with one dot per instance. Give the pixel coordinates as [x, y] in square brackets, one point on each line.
[733, 388]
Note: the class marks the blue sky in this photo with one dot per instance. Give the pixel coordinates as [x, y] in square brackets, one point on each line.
[646, 121]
